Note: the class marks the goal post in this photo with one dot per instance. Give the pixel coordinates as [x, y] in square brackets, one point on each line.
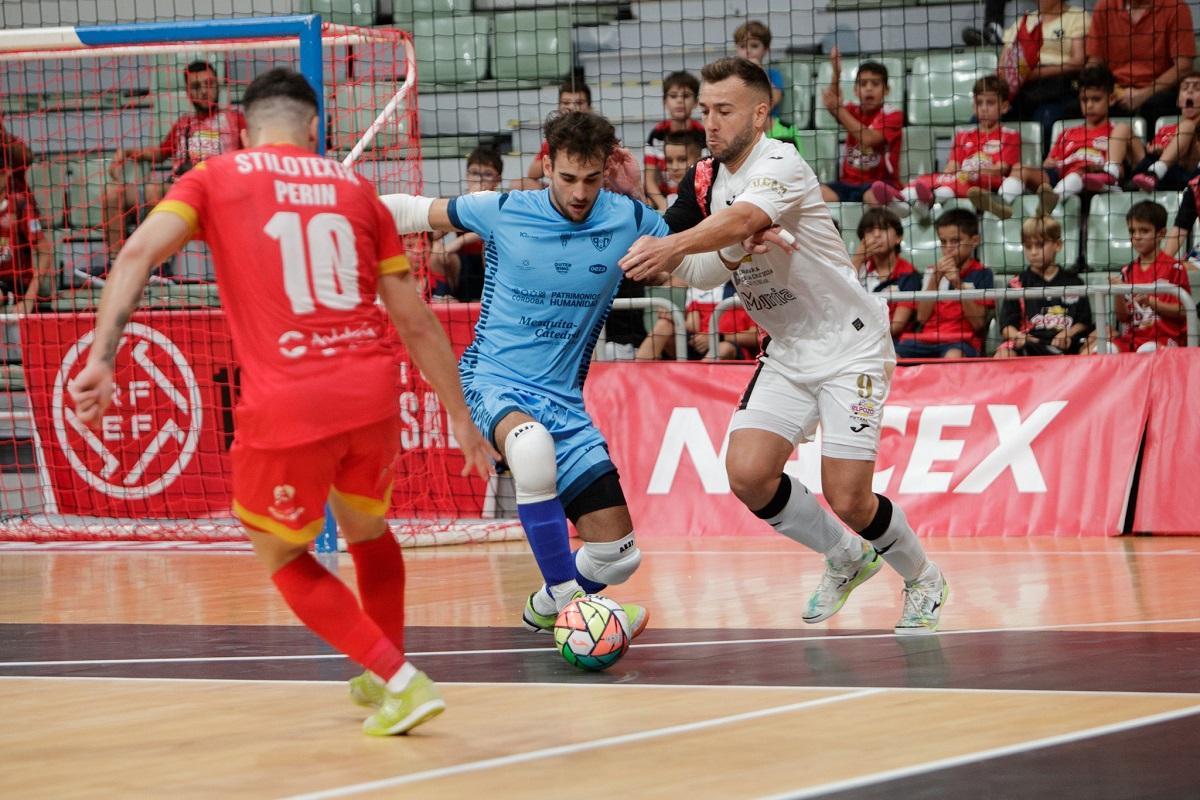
[158, 467]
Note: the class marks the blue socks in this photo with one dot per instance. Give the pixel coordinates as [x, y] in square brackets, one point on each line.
[545, 526]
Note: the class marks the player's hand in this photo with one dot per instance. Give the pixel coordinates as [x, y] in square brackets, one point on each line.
[767, 238]
[478, 453]
[91, 392]
[649, 256]
[623, 176]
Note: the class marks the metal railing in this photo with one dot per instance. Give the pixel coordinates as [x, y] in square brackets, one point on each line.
[1099, 296]
[660, 304]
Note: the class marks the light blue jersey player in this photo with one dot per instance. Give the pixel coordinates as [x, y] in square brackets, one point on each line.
[550, 276]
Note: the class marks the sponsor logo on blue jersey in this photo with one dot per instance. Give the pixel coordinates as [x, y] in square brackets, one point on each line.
[601, 240]
[598, 269]
[562, 267]
[532, 297]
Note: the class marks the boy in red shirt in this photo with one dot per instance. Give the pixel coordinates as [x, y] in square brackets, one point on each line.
[1171, 157]
[1087, 157]
[980, 158]
[951, 328]
[302, 246]
[680, 91]
[26, 253]
[874, 131]
[1149, 321]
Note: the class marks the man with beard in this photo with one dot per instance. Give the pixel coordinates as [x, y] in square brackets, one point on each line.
[829, 359]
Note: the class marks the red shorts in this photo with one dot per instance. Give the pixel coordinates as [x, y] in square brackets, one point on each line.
[284, 491]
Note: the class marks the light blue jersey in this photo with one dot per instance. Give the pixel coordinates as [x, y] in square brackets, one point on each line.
[548, 285]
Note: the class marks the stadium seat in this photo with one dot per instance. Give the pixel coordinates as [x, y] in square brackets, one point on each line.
[918, 154]
[796, 108]
[1163, 122]
[1108, 246]
[820, 150]
[85, 191]
[451, 49]
[920, 245]
[48, 182]
[895, 97]
[532, 45]
[939, 89]
[437, 7]
[343, 12]
[847, 216]
[1001, 250]
[1137, 124]
[676, 294]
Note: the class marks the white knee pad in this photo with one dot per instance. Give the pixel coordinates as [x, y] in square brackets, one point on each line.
[608, 562]
[529, 452]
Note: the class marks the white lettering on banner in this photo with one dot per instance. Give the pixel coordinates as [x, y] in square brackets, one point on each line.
[686, 432]
[423, 423]
[930, 447]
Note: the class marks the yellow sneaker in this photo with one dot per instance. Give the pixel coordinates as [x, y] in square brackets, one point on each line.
[402, 711]
[366, 690]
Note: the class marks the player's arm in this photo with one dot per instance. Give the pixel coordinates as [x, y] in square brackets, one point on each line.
[650, 256]
[426, 342]
[160, 236]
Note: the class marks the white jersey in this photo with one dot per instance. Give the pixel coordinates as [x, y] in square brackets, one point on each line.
[809, 302]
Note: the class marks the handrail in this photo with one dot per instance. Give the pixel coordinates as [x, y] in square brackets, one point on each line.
[662, 304]
[1101, 293]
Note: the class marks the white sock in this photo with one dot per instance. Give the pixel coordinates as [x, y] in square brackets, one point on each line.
[803, 520]
[1113, 169]
[1011, 189]
[943, 193]
[1159, 169]
[1069, 186]
[552, 599]
[900, 547]
[909, 194]
[400, 680]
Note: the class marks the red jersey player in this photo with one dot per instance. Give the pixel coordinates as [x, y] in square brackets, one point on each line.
[874, 130]
[302, 246]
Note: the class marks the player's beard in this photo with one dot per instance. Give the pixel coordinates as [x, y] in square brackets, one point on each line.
[734, 150]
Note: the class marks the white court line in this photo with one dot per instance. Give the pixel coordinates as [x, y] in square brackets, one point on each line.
[647, 645]
[982, 755]
[802, 553]
[580, 747]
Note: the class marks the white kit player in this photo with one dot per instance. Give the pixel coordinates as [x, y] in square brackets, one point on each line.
[829, 359]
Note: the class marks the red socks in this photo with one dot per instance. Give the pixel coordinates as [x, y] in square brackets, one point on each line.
[379, 565]
[329, 609]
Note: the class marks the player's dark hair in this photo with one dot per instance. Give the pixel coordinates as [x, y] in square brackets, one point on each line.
[1148, 211]
[745, 70]
[681, 80]
[573, 86]
[966, 221]
[872, 68]
[689, 139]
[486, 157]
[279, 83]
[877, 218]
[581, 134]
[199, 65]
[991, 83]
[1097, 76]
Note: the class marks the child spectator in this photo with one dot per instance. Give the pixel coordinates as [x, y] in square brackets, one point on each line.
[1173, 154]
[1042, 326]
[573, 95]
[980, 158]
[951, 328]
[880, 266]
[26, 254]
[680, 91]
[1149, 321]
[681, 150]
[873, 133]
[752, 39]
[1086, 157]
[738, 333]
[456, 267]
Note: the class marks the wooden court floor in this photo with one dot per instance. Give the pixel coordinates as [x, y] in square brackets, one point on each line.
[1066, 668]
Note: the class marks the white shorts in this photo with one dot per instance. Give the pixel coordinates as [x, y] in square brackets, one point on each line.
[848, 405]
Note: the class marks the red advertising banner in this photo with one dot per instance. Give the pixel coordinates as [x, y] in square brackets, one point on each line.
[1166, 497]
[161, 449]
[1022, 447]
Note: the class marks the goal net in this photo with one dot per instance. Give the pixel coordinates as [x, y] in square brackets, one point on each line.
[95, 107]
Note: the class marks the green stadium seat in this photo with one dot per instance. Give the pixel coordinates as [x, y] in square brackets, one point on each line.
[847, 216]
[354, 107]
[796, 108]
[343, 12]
[918, 152]
[451, 49]
[48, 182]
[1108, 246]
[939, 89]
[820, 150]
[1137, 124]
[12, 378]
[1001, 251]
[895, 97]
[85, 191]
[920, 245]
[676, 294]
[532, 45]
[438, 7]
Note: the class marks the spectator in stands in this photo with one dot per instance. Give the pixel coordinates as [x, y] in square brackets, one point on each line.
[752, 40]
[680, 90]
[1149, 321]
[738, 333]
[681, 150]
[1043, 52]
[880, 267]
[15, 160]
[1042, 326]
[26, 253]
[1149, 45]
[456, 266]
[1086, 157]
[1173, 154]
[1185, 218]
[980, 158]
[573, 95]
[207, 131]
[993, 26]
[951, 328]
[874, 131]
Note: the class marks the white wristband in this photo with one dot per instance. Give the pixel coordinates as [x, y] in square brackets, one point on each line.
[411, 212]
[733, 253]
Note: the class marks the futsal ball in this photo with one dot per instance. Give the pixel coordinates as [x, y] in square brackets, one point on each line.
[592, 632]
